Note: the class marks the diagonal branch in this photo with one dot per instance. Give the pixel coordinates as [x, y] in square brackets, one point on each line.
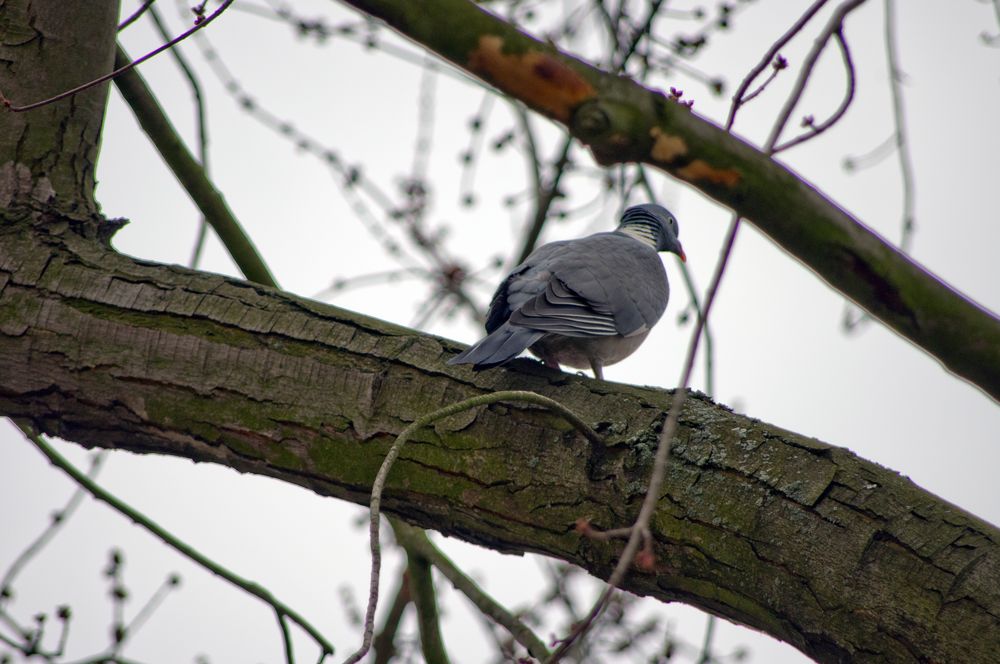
[95, 490]
[190, 173]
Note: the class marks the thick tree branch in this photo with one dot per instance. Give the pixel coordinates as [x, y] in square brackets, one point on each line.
[837, 556]
[620, 121]
[841, 558]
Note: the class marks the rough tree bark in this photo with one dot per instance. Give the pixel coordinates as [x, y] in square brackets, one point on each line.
[843, 559]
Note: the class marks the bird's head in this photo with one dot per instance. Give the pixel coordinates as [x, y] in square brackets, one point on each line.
[654, 225]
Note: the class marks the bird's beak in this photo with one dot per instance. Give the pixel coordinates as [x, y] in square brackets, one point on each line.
[680, 252]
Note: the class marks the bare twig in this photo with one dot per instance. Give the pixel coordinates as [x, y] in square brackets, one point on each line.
[833, 27]
[200, 124]
[199, 24]
[286, 638]
[425, 601]
[468, 157]
[817, 129]
[874, 156]
[705, 657]
[741, 97]
[988, 39]
[416, 539]
[647, 27]
[778, 65]
[546, 195]
[350, 179]
[140, 619]
[147, 4]
[640, 529]
[852, 316]
[59, 519]
[173, 542]
[695, 303]
[384, 643]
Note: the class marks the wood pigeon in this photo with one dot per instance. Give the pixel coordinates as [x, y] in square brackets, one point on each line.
[584, 303]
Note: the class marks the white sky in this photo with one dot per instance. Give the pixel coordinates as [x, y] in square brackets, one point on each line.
[780, 353]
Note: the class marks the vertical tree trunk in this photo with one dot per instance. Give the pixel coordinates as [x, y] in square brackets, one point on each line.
[48, 155]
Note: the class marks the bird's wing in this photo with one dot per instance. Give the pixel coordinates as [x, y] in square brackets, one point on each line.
[562, 310]
[524, 282]
[601, 285]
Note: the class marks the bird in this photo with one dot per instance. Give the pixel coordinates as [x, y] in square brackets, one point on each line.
[584, 303]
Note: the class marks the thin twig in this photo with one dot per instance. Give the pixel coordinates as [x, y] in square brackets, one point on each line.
[140, 619]
[425, 601]
[534, 160]
[58, 521]
[416, 539]
[695, 303]
[740, 97]
[610, 24]
[390, 458]
[899, 114]
[647, 27]
[286, 638]
[122, 69]
[469, 159]
[173, 542]
[705, 657]
[833, 27]
[873, 156]
[547, 194]
[385, 641]
[777, 66]
[988, 39]
[135, 15]
[201, 126]
[640, 529]
[817, 129]
[853, 316]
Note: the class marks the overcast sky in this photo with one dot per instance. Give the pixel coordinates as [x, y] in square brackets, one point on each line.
[780, 352]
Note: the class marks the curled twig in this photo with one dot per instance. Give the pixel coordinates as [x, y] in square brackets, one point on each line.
[817, 129]
[390, 458]
[833, 27]
[741, 97]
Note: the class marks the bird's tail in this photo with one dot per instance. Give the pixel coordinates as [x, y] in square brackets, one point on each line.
[504, 343]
